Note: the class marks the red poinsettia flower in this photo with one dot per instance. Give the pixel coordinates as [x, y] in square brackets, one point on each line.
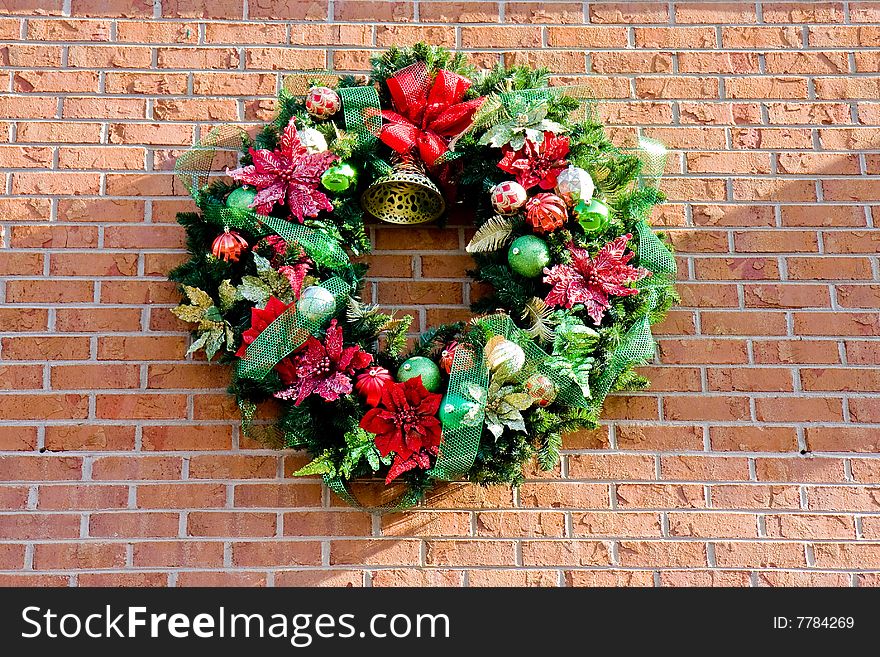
[289, 175]
[260, 319]
[406, 423]
[537, 164]
[591, 281]
[322, 369]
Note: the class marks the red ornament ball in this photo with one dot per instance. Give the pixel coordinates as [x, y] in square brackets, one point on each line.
[447, 356]
[546, 212]
[322, 102]
[508, 197]
[228, 245]
[371, 383]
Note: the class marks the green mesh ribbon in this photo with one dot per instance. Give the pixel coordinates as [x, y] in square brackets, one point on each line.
[459, 445]
[363, 117]
[284, 335]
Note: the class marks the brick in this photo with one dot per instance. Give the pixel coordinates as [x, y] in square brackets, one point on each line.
[231, 523]
[470, 552]
[68, 30]
[660, 496]
[751, 496]
[798, 526]
[45, 348]
[86, 497]
[233, 467]
[429, 523]
[646, 437]
[59, 556]
[564, 495]
[840, 380]
[565, 553]
[168, 554]
[44, 407]
[655, 553]
[792, 409]
[616, 524]
[722, 408]
[753, 438]
[124, 468]
[174, 495]
[133, 525]
[380, 552]
[839, 439]
[501, 37]
[89, 437]
[704, 468]
[31, 527]
[341, 578]
[762, 555]
[78, 377]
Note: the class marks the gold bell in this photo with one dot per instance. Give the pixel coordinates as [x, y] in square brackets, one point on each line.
[404, 196]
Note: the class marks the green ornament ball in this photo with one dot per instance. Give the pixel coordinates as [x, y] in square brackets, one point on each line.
[423, 367]
[528, 255]
[316, 304]
[592, 215]
[339, 177]
[241, 197]
[453, 410]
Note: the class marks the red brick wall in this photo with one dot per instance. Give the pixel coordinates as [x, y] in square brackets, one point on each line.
[751, 461]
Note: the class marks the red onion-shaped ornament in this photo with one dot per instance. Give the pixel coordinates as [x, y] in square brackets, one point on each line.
[228, 245]
[546, 212]
[447, 356]
[322, 102]
[371, 383]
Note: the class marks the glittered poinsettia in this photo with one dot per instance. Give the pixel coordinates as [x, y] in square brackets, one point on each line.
[406, 423]
[260, 319]
[536, 163]
[323, 369]
[289, 176]
[590, 281]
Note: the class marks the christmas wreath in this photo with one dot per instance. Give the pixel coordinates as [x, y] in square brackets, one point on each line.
[576, 274]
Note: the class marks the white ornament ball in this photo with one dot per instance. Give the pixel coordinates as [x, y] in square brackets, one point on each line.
[574, 184]
[501, 352]
[313, 140]
[322, 102]
[508, 197]
[316, 304]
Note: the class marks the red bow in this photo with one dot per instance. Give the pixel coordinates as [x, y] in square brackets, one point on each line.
[428, 114]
